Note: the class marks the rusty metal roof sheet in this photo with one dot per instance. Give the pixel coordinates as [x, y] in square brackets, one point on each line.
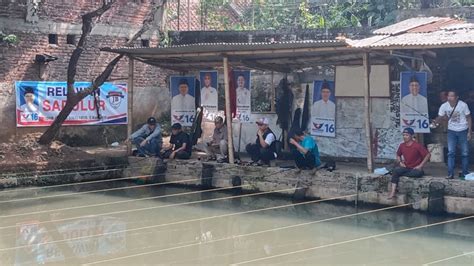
[420, 32]
[405, 25]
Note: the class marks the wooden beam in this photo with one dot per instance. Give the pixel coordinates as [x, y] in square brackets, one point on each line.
[235, 53]
[258, 65]
[131, 68]
[228, 114]
[368, 126]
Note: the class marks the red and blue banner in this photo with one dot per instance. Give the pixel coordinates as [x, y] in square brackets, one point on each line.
[39, 102]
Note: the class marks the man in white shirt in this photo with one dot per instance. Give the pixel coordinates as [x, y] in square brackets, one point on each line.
[183, 101]
[414, 102]
[208, 93]
[29, 96]
[458, 115]
[243, 94]
[324, 108]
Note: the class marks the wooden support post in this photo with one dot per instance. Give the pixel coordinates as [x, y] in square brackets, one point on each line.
[368, 126]
[131, 68]
[228, 114]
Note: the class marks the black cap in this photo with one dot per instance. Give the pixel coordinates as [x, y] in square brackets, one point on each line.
[325, 85]
[28, 90]
[414, 79]
[176, 126]
[296, 132]
[409, 130]
[151, 121]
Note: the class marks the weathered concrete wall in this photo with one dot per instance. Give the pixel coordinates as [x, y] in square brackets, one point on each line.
[341, 184]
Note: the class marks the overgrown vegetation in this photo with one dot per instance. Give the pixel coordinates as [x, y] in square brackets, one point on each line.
[307, 14]
[8, 39]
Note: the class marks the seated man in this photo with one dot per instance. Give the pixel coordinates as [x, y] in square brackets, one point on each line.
[148, 139]
[218, 144]
[180, 144]
[263, 150]
[412, 157]
[305, 151]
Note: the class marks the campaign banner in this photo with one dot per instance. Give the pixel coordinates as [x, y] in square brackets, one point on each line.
[242, 93]
[209, 94]
[183, 103]
[38, 103]
[414, 102]
[323, 111]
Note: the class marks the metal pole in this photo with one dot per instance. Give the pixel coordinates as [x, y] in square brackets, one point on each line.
[228, 115]
[368, 129]
[131, 68]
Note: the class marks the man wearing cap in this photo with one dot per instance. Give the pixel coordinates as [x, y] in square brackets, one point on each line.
[324, 108]
[411, 157]
[415, 102]
[180, 144]
[29, 96]
[263, 150]
[148, 139]
[218, 145]
[183, 101]
[305, 151]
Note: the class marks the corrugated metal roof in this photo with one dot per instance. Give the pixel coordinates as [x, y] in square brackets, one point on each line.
[434, 26]
[405, 25]
[226, 47]
[417, 32]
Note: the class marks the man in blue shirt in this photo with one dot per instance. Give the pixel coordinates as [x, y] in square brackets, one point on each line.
[305, 151]
[148, 139]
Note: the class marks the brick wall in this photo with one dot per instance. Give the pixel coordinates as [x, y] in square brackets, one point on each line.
[152, 97]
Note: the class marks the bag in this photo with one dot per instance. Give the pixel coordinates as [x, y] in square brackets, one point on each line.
[278, 147]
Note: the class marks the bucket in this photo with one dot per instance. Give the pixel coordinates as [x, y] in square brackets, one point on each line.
[436, 150]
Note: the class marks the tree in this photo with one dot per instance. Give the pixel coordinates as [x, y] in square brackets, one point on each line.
[73, 97]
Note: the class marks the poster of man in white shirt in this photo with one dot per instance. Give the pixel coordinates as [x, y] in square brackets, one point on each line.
[323, 112]
[183, 105]
[209, 94]
[413, 102]
[28, 110]
[242, 82]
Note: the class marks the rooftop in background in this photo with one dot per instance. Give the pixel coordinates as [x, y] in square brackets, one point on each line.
[422, 32]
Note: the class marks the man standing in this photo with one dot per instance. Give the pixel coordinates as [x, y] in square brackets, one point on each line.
[208, 93]
[324, 108]
[411, 157]
[218, 145]
[306, 152]
[180, 144]
[148, 139]
[183, 101]
[415, 102]
[263, 150]
[457, 113]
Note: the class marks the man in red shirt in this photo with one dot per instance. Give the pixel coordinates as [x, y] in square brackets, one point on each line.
[411, 156]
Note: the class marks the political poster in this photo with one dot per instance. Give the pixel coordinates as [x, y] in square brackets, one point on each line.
[414, 102]
[183, 103]
[242, 94]
[38, 103]
[209, 95]
[323, 111]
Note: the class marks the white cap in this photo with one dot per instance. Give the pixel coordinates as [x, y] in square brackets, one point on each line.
[262, 120]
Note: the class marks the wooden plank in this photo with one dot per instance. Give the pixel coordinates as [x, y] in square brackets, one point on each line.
[228, 114]
[368, 127]
[131, 68]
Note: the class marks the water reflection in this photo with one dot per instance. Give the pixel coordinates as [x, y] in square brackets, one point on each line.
[221, 232]
[36, 238]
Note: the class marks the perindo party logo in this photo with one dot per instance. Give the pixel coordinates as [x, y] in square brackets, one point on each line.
[115, 98]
